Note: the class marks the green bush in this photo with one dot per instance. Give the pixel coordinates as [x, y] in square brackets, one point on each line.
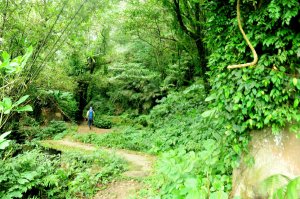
[25, 173]
[142, 120]
[54, 127]
[38, 132]
[182, 174]
[69, 175]
[28, 121]
[101, 105]
[102, 123]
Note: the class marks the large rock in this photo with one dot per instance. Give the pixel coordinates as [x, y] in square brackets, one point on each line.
[49, 114]
[273, 154]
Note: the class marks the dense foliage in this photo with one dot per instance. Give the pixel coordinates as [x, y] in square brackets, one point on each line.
[35, 131]
[202, 150]
[267, 94]
[36, 174]
[154, 71]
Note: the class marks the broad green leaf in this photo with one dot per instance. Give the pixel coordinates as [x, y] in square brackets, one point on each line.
[21, 100]
[191, 183]
[7, 105]
[26, 56]
[13, 64]
[24, 108]
[5, 56]
[251, 122]
[208, 113]
[195, 194]
[295, 81]
[293, 188]
[4, 135]
[296, 102]
[218, 195]
[1, 106]
[4, 144]
[211, 97]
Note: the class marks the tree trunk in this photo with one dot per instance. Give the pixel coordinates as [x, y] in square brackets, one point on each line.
[203, 64]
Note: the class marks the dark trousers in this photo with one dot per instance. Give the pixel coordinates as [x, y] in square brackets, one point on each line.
[90, 122]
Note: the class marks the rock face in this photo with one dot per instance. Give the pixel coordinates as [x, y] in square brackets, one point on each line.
[273, 154]
[49, 114]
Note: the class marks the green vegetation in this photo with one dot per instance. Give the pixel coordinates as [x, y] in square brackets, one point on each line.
[35, 173]
[202, 150]
[101, 122]
[36, 132]
[155, 72]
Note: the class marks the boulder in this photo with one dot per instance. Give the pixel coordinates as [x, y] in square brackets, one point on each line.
[272, 154]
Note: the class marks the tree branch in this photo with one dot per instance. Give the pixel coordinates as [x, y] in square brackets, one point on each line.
[180, 20]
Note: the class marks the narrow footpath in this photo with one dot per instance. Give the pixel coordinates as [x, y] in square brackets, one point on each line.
[140, 166]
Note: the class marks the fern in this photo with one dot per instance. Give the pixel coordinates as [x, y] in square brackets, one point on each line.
[281, 187]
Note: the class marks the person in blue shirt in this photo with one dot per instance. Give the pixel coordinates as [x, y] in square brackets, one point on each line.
[90, 117]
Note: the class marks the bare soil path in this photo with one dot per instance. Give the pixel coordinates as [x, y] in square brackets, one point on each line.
[83, 128]
[139, 166]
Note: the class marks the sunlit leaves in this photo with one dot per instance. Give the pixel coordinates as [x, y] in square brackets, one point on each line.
[6, 105]
[3, 142]
[295, 80]
[24, 108]
[15, 65]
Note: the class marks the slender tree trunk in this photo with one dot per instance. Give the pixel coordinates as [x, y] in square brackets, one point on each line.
[196, 35]
[4, 19]
[81, 96]
[203, 64]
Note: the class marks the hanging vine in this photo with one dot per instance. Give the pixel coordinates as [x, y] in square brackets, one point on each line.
[247, 40]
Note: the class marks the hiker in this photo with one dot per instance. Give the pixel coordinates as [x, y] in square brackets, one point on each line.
[90, 117]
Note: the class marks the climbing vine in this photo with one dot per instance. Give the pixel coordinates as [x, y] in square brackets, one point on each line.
[246, 39]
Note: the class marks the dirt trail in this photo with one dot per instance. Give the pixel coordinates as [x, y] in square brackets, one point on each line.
[119, 190]
[139, 166]
[85, 129]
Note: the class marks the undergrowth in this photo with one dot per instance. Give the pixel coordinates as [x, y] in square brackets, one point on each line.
[196, 151]
[36, 174]
[54, 130]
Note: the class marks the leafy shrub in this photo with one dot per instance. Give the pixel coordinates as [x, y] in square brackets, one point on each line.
[71, 175]
[61, 135]
[101, 105]
[142, 120]
[21, 174]
[100, 122]
[52, 129]
[182, 174]
[122, 120]
[38, 132]
[140, 93]
[28, 121]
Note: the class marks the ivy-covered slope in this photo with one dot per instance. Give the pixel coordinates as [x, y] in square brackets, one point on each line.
[267, 94]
